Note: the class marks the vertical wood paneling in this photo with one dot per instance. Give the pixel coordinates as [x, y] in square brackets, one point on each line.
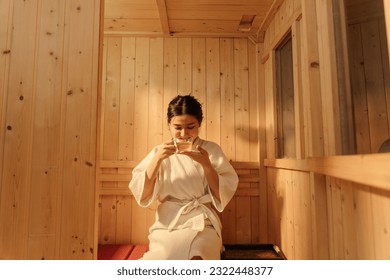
[241, 100]
[79, 130]
[227, 99]
[141, 110]
[127, 89]
[184, 66]
[212, 108]
[261, 132]
[157, 115]
[253, 103]
[48, 71]
[170, 75]
[199, 75]
[112, 99]
[46, 128]
[16, 175]
[364, 223]
[210, 69]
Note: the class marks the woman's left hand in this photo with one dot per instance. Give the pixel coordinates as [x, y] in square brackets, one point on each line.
[201, 156]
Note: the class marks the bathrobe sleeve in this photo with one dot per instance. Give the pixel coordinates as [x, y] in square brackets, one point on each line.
[228, 179]
[138, 180]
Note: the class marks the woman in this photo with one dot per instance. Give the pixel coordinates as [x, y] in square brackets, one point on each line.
[187, 184]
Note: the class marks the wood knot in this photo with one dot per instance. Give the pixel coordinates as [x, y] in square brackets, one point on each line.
[315, 64]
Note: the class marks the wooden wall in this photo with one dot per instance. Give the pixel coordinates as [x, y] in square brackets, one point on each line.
[140, 76]
[48, 101]
[323, 204]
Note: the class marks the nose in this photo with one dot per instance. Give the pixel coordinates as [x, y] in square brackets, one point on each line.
[183, 132]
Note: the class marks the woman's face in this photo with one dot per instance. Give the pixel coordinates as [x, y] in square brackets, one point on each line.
[184, 126]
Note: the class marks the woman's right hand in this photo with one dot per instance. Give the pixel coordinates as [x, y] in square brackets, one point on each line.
[166, 149]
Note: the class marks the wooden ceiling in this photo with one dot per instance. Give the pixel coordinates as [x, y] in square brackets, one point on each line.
[222, 18]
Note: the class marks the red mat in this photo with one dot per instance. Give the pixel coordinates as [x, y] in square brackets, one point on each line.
[121, 251]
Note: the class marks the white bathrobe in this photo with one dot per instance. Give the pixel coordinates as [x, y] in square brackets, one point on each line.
[186, 224]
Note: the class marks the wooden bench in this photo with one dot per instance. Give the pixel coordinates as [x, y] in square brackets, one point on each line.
[121, 251]
[231, 252]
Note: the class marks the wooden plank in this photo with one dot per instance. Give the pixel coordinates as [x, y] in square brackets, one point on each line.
[243, 221]
[114, 177]
[299, 165]
[117, 164]
[212, 109]
[17, 141]
[46, 130]
[312, 82]
[41, 247]
[253, 102]
[270, 111]
[349, 227]
[381, 223]
[227, 98]
[364, 223]
[108, 219]
[273, 212]
[126, 99]
[228, 220]
[126, 26]
[371, 170]
[157, 110]
[319, 217]
[288, 242]
[123, 220]
[162, 11]
[298, 98]
[263, 197]
[241, 100]
[78, 136]
[199, 73]
[303, 237]
[112, 100]
[170, 75]
[184, 67]
[368, 169]
[330, 97]
[337, 226]
[255, 220]
[141, 98]
[5, 24]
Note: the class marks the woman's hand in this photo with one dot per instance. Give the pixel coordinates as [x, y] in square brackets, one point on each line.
[201, 156]
[165, 150]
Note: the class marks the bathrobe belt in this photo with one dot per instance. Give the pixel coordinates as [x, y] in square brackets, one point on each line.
[197, 222]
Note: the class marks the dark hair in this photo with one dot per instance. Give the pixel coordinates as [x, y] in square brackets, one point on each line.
[185, 105]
